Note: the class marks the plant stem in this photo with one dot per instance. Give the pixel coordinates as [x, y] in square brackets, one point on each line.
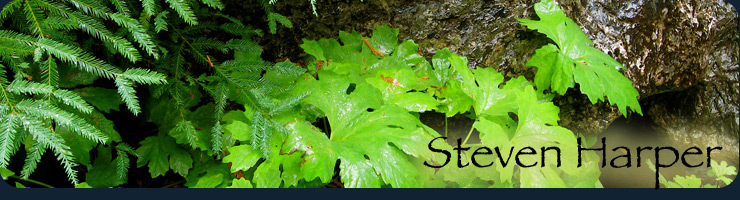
[469, 133]
[32, 181]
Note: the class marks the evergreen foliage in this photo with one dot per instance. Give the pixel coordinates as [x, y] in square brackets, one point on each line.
[175, 46]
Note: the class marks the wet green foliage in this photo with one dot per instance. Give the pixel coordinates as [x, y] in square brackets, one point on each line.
[226, 117]
[53, 52]
[371, 94]
[572, 60]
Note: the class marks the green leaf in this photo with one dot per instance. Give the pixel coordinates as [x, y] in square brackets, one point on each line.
[312, 48]
[242, 157]
[71, 78]
[5, 173]
[103, 172]
[185, 133]
[210, 181]
[688, 181]
[722, 172]
[81, 185]
[240, 183]
[236, 124]
[360, 138]
[384, 39]
[205, 167]
[79, 146]
[574, 60]
[453, 99]
[395, 85]
[103, 99]
[482, 85]
[160, 153]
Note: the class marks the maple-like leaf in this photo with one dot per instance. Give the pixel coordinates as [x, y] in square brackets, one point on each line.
[161, 153]
[371, 139]
[575, 60]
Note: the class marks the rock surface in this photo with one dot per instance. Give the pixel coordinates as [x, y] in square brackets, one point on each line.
[681, 55]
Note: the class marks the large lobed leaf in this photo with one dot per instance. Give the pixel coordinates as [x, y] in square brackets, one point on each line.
[574, 60]
[372, 140]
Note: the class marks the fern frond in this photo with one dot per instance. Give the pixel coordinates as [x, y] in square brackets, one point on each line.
[50, 73]
[206, 43]
[151, 7]
[122, 160]
[9, 49]
[34, 16]
[261, 133]
[9, 9]
[37, 55]
[144, 76]
[272, 18]
[289, 69]
[91, 7]
[64, 52]
[55, 143]
[47, 111]
[241, 89]
[236, 27]
[126, 148]
[94, 27]
[138, 32]
[21, 86]
[216, 134]
[280, 128]
[241, 30]
[220, 95]
[122, 164]
[287, 104]
[245, 65]
[55, 22]
[98, 30]
[243, 82]
[67, 97]
[54, 8]
[214, 4]
[7, 139]
[182, 7]
[3, 78]
[72, 99]
[121, 6]
[262, 99]
[78, 57]
[125, 84]
[177, 94]
[128, 94]
[240, 45]
[159, 23]
[32, 159]
[188, 129]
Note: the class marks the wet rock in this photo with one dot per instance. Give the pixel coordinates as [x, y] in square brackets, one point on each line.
[681, 55]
